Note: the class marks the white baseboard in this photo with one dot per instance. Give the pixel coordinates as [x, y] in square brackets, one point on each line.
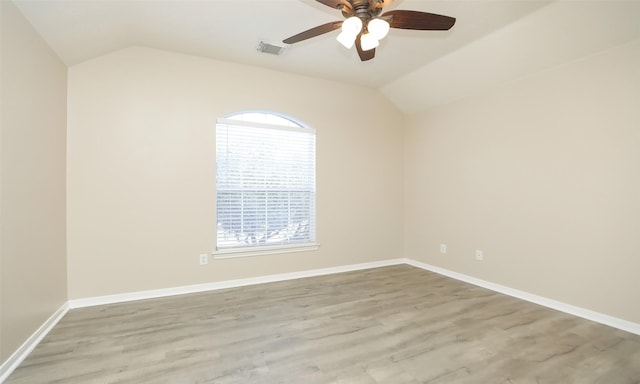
[25, 349]
[156, 293]
[21, 353]
[601, 318]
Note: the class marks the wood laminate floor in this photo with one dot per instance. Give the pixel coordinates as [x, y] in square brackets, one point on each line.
[396, 324]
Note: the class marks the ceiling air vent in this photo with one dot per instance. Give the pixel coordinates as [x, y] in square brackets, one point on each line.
[270, 48]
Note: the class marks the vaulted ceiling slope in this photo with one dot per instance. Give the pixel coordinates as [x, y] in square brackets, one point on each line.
[558, 33]
[493, 41]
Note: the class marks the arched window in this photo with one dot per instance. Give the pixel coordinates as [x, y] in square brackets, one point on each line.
[265, 183]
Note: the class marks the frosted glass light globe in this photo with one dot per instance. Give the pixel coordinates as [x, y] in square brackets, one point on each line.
[378, 28]
[368, 42]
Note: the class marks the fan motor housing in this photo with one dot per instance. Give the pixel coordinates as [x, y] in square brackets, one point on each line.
[363, 9]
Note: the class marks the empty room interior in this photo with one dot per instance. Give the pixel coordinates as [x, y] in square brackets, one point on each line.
[221, 192]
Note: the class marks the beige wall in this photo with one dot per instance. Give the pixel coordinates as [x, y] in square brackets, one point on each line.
[543, 175]
[32, 196]
[141, 170]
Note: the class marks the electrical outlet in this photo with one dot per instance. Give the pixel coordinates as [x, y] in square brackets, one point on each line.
[479, 255]
[443, 248]
[204, 259]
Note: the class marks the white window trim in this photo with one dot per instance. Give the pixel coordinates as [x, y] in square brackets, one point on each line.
[230, 253]
[250, 124]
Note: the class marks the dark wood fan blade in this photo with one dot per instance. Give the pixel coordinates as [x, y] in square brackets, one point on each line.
[364, 55]
[419, 20]
[337, 4]
[313, 32]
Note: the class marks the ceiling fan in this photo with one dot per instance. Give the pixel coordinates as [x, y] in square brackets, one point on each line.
[366, 25]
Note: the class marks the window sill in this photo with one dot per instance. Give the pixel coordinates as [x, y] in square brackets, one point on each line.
[259, 251]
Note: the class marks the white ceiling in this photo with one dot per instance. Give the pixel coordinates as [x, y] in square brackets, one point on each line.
[493, 41]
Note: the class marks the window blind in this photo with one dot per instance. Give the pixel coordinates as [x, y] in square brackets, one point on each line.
[265, 184]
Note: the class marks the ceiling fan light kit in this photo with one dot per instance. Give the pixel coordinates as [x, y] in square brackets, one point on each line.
[365, 26]
[346, 40]
[351, 27]
[368, 41]
[379, 28]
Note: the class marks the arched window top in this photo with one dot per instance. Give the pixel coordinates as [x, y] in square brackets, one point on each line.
[265, 117]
